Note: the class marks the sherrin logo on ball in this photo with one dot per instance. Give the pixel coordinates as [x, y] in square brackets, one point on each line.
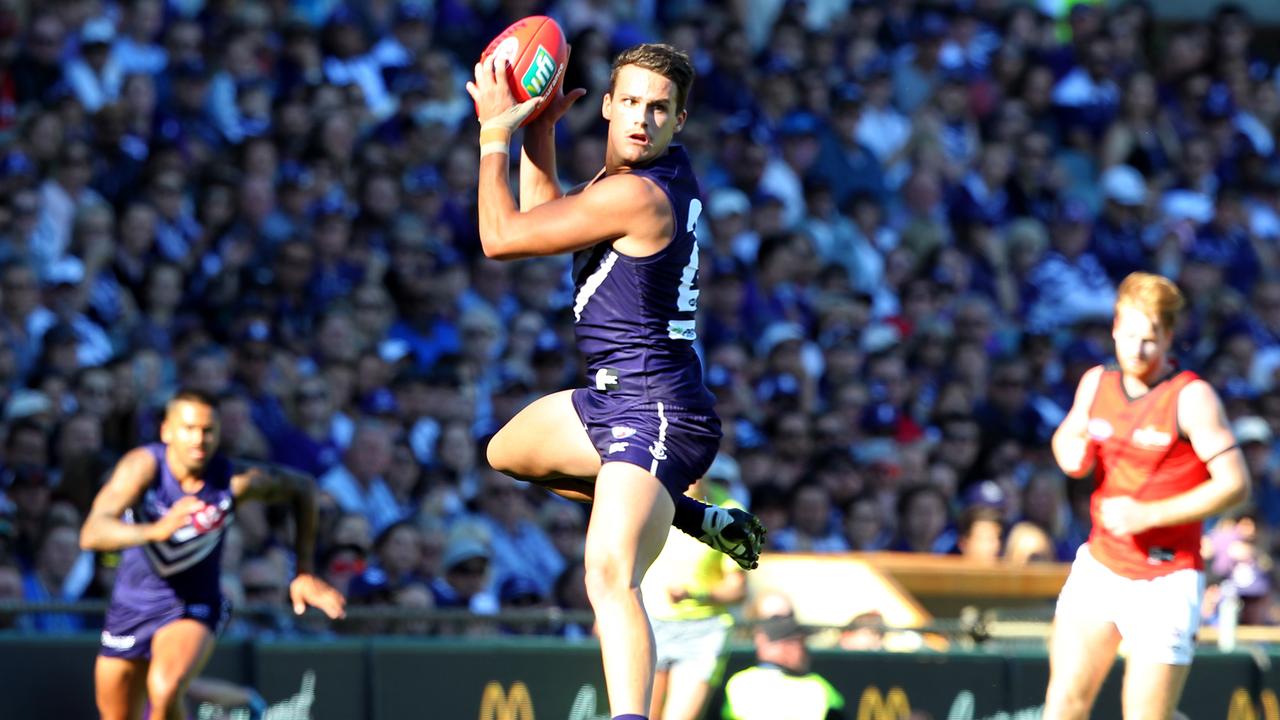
[507, 49]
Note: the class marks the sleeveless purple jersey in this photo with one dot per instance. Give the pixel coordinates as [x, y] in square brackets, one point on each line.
[634, 317]
[184, 568]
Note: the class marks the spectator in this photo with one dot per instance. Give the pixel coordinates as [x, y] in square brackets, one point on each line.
[519, 546]
[47, 580]
[980, 534]
[466, 576]
[341, 564]
[398, 552]
[923, 521]
[357, 482]
[96, 75]
[865, 632]
[1118, 236]
[564, 524]
[864, 526]
[812, 528]
[782, 682]
[309, 444]
[1069, 284]
[1028, 543]
[136, 47]
[266, 587]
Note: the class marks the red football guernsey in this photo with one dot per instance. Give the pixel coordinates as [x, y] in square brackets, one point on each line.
[1141, 453]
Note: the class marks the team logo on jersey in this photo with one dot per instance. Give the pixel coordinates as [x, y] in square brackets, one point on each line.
[617, 447]
[658, 450]
[1151, 437]
[1100, 429]
[606, 379]
[209, 517]
[622, 432]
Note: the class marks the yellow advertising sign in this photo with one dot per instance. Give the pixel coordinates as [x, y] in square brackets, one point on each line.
[1241, 706]
[497, 704]
[893, 705]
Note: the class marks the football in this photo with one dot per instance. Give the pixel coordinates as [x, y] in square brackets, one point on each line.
[536, 54]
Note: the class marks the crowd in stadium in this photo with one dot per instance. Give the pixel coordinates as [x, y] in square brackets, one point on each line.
[915, 219]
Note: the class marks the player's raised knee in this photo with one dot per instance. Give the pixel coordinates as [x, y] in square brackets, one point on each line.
[499, 456]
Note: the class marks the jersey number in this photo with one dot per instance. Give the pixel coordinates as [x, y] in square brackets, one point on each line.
[687, 293]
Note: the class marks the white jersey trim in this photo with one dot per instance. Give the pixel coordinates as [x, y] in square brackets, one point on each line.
[593, 283]
[659, 447]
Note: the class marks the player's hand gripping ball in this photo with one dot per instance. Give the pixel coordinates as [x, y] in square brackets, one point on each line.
[536, 55]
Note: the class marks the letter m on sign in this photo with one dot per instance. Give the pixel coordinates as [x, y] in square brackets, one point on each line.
[498, 705]
[890, 706]
[539, 73]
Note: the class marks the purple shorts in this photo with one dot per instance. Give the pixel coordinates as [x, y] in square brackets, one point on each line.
[128, 629]
[673, 443]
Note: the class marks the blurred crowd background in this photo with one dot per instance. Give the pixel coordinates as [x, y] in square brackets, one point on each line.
[916, 215]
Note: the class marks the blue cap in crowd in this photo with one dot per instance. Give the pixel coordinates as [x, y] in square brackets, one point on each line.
[849, 93]
[519, 589]
[1218, 104]
[331, 205]
[798, 124]
[294, 174]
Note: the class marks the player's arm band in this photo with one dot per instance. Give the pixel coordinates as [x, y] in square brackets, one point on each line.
[1220, 453]
[495, 140]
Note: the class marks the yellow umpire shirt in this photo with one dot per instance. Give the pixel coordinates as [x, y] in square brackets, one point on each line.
[685, 562]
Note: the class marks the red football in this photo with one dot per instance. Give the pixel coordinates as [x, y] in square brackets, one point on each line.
[536, 53]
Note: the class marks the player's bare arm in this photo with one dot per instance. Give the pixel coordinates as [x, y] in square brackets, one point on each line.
[1203, 420]
[273, 484]
[625, 209]
[105, 531]
[1072, 449]
[619, 207]
[731, 589]
[539, 182]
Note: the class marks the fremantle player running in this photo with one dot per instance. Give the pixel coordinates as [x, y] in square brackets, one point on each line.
[644, 429]
[167, 505]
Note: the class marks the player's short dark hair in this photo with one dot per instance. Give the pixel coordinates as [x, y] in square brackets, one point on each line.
[191, 395]
[666, 60]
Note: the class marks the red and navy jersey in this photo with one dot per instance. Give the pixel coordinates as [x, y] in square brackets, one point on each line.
[1142, 454]
[634, 317]
[185, 566]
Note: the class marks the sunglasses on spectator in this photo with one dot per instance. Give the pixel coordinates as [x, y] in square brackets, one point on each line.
[354, 566]
[471, 567]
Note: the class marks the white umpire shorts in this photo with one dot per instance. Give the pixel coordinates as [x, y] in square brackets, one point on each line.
[693, 648]
[1157, 618]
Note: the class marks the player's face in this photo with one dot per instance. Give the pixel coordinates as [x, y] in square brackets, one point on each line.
[1141, 345]
[191, 432]
[641, 110]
